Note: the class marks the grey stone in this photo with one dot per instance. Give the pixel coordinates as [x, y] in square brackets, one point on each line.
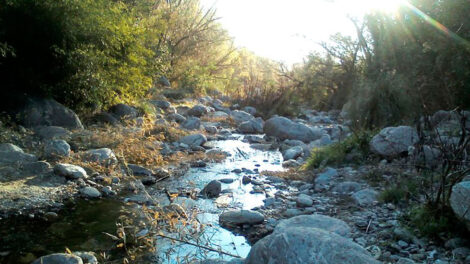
[177, 118]
[240, 217]
[57, 148]
[70, 171]
[192, 123]
[139, 170]
[346, 187]
[123, 111]
[87, 257]
[211, 129]
[315, 221]
[460, 201]
[324, 179]
[198, 110]
[250, 110]
[290, 164]
[58, 258]
[90, 192]
[240, 116]
[212, 189]
[10, 153]
[103, 155]
[105, 118]
[393, 141]
[284, 128]
[162, 104]
[252, 126]
[52, 132]
[365, 197]
[36, 167]
[304, 200]
[293, 153]
[300, 245]
[47, 112]
[194, 140]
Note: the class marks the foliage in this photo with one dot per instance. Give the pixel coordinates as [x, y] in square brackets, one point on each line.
[336, 153]
[434, 224]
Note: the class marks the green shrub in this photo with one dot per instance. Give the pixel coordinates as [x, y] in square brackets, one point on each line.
[334, 154]
[434, 223]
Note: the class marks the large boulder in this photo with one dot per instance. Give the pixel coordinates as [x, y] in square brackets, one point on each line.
[252, 126]
[393, 141]
[104, 118]
[250, 110]
[192, 123]
[58, 258]
[365, 197]
[460, 201]
[300, 245]
[198, 110]
[293, 153]
[194, 140]
[123, 111]
[48, 112]
[240, 116]
[178, 118]
[240, 217]
[315, 221]
[10, 153]
[284, 128]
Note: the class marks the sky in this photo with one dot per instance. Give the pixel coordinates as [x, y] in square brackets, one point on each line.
[287, 31]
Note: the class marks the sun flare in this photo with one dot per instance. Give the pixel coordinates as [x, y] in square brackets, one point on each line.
[388, 6]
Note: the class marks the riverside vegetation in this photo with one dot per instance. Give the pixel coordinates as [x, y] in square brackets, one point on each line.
[135, 132]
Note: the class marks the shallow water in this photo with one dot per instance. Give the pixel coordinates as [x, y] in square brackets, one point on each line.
[242, 157]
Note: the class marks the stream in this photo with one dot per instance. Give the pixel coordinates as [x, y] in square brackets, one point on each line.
[81, 225]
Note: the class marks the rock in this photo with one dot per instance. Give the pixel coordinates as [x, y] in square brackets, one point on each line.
[48, 112]
[240, 217]
[461, 252]
[227, 180]
[211, 129]
[246, 180]
[104, 118]
[220, 261]
[139, 170]
[219, 114]
[299, 245]
[460, 201]
[252, 126]
[194, 140]
[293, 153]
[284, 128]
[178, 118]
[70, 171]
[108, 191]
[58, 258]
[304, 200]
[10, 153]
[315, 221]
[212, 189]
[162, 104]
[90, 192]
[57, 148]
[52, 132]
[198, 110]
[8, 147]
[250, 110]
[36, 167]
[192, 123]
[405, 261]
[87, 257]
[393, 141]
[346, 187]
[323, 179]
[240, 116]
[290, 164]
[103, 155]
[123, 111]
[163, 81]
[365, 197]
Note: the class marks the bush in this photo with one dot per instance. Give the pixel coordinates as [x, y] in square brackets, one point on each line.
[80, 52]
[357, 145]
[435, 223]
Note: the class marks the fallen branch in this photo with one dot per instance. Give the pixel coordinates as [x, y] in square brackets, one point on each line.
[199, 246]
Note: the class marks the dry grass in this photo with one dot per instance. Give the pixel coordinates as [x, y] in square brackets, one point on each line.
[292, 174]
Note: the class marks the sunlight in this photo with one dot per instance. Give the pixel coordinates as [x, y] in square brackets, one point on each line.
[387, 6]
